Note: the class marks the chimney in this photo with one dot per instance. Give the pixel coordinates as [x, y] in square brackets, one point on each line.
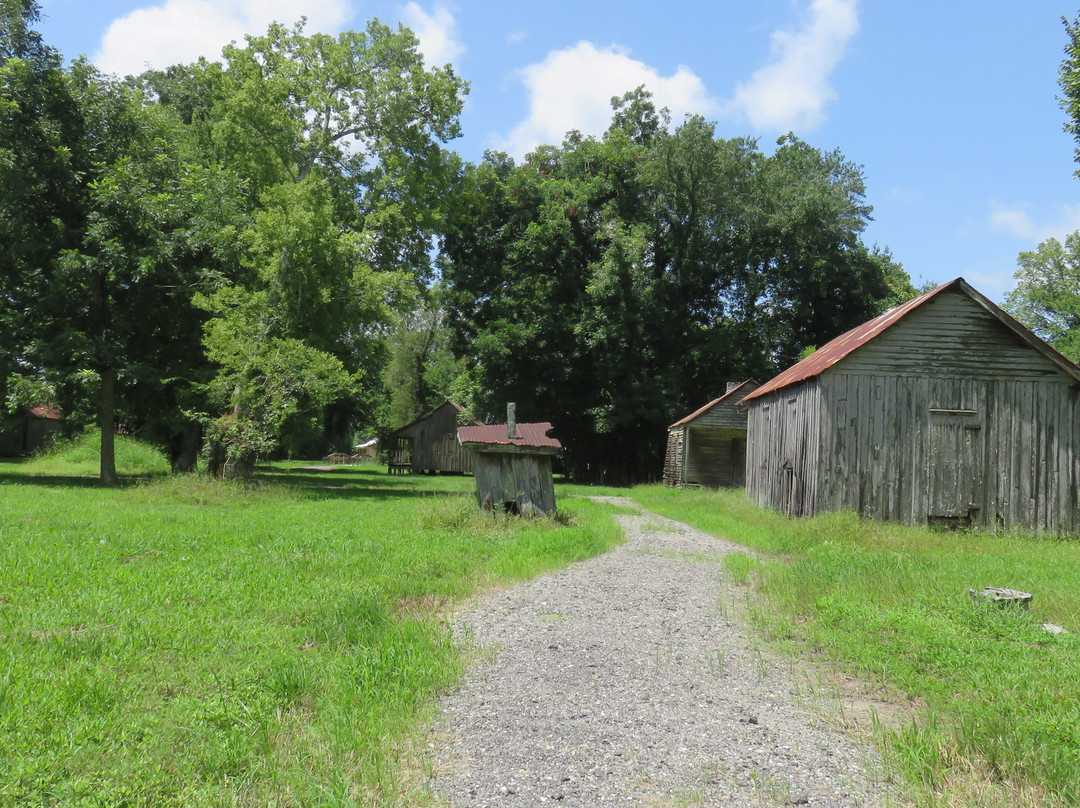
[731, 386]
[511, 420]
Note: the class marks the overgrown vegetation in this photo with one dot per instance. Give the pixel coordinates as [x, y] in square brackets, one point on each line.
[188, 641]
[889, 603]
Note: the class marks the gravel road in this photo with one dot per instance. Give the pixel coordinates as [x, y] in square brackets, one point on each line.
[630, 680]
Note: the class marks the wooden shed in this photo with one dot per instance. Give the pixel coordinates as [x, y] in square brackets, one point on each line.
[30, 431]
[512, 465]
[429, 444]
[942, 411]
[708, 447]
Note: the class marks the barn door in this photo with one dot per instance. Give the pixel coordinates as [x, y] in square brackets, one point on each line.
[955, 461]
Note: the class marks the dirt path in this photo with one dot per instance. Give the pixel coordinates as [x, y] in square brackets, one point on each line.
[630, 680]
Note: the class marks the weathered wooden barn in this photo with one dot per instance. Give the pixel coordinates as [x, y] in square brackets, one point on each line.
[429, 444]
[30, 431]
[708, 447]
[512, 465]
[944, 410]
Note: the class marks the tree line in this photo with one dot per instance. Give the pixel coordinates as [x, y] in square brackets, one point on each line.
[279, 251]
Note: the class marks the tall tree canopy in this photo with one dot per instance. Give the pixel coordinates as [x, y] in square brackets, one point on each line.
[611, 284]
[218, 238]
[1047, 293]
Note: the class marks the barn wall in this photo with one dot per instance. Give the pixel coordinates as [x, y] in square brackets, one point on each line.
[782, 449]
[715, 457]
[523, 479]
[989, 453]
[947, 336]
[673, 457]
[435, 445]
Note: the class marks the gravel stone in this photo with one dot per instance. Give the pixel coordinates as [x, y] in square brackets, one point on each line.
[630, 680]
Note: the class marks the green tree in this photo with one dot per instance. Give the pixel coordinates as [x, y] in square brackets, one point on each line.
[610, 285]
[1047, 293]
[1069, 81]
[337, 144]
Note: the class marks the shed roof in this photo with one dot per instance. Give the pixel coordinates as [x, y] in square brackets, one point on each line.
[426, 415]
[733, 395]
[48, 411]
[832, 352]
[529, 436]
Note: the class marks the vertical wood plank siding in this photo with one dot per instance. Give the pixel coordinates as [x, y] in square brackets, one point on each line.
[947, 417]
[782, 449]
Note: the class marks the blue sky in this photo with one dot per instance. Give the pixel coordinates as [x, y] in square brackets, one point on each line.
[950, 106]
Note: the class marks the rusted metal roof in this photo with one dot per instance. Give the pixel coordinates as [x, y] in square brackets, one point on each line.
[832, 352]
[733, 395]
[529, 436]
[48, 411]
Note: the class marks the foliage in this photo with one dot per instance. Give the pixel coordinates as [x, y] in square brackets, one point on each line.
[611, 285]
[193, 642]
[888, 603]
[1069, 81]
[1047, 294]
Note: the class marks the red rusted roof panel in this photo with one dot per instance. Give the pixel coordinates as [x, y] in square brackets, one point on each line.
[733, 395]
[47, 411]
[529, 436]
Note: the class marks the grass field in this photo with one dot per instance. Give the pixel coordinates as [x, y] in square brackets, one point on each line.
[1000, 724]
[181, 641]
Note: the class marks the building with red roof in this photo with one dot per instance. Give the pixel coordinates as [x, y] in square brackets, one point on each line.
[943, 411]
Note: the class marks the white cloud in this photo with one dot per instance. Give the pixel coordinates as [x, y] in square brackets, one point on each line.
[572, 89]
[437, 33]
[183, 30]
[792, 91]
[1016, 221]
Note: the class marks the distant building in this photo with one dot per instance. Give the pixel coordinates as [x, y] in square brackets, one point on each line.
[943, 411]
[708, 447]
[429, 444]
[28, 433]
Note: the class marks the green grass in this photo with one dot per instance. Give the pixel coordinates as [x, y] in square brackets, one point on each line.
[81, 457]
[889, 603]
[183, 641]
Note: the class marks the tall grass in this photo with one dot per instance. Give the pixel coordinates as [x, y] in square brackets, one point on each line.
[190, 642]
[890, 603]
[81, 457]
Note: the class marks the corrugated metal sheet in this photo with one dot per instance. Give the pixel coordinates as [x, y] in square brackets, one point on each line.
[48, 411]
[529, 436]
[832, 352]
[732, 395]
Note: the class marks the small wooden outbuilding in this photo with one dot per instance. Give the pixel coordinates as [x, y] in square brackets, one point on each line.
[942, 411]
[512, 465]
[708, 447]
[429, 444]
[30, 431]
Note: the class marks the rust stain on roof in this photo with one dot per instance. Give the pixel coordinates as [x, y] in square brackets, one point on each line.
[733, 395]
[48, 411]
[832, 352]
[529, 436]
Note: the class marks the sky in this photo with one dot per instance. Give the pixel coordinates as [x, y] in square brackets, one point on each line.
[950, 106]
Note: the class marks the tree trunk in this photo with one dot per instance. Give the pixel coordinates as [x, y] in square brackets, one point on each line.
[106, 420]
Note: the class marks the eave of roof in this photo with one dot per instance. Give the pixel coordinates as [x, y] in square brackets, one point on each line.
[729, 395]
[832, 352]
